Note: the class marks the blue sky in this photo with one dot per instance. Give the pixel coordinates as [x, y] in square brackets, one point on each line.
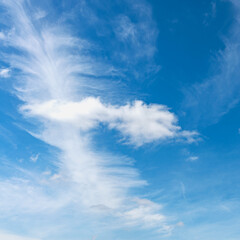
[119, 120]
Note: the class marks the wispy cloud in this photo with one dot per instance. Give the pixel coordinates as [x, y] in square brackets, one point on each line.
[136, 35]
[131, 35]
[2, 35]
[34, 158]
[146, 213]
[8, 236]
[25, 195]
[4, 73]
[39, 14]
[211, 13]
[53, 66]
[222, 88]
[192, 158]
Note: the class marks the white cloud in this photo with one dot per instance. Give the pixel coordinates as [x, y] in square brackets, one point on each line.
[192, 158]
[139, 37]
[9, 236]
[138, 122]
[51, 71]
[34, 158]
[125, 29]
[4, 73]
[28, 195]
[145, 212]
[50, 63]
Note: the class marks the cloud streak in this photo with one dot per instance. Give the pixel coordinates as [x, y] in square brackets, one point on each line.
[223, 87]
[7, 236]
[52, 66]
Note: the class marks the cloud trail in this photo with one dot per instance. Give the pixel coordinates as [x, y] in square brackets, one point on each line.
[223, 87]
[49, 64]
[7, 236]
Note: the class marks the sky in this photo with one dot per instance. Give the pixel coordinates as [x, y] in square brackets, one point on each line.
[119, 120]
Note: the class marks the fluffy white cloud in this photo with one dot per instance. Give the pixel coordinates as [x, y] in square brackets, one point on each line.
[138, 122]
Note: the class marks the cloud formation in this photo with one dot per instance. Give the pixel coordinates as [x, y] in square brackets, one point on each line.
[52, 67]
[138, 122]
[222, 88]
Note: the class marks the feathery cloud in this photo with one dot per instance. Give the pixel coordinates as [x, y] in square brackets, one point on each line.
[53, 66]
[223, 87]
